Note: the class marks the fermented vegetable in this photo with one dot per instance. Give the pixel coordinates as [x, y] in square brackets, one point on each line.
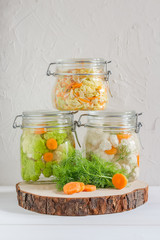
[82, 92]
[41, 149]
[121, 148]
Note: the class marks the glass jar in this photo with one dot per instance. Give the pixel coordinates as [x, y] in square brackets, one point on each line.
[113, 137]
[82, 84]
[47, 138]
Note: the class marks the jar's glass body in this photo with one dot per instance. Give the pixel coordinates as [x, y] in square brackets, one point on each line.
[113, 138]
[81, 85]
[41, 148]
[47, 138]
[120, 147]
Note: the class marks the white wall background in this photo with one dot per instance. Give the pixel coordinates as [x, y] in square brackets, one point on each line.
[33, 33]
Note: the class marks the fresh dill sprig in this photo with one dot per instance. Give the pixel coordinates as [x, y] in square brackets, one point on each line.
[123, 152]
[94, 171]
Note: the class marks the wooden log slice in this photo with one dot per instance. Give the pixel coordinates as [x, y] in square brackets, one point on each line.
[44, 198]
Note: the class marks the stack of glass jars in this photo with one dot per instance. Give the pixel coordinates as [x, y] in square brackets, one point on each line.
[82, 85]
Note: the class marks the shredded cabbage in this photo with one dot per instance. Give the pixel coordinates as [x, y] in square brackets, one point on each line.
[81, 92]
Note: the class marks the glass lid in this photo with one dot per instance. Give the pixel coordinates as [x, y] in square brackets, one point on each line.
[47, 119]
[81, 61]
[44, 113]
[111, 120]
[79, 67]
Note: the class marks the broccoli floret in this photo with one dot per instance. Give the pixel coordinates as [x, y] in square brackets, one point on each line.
[47, 172]
[49, 164]
[24, 158]
[58, 134]
[31, 169]
[40, 164]
[33, 145]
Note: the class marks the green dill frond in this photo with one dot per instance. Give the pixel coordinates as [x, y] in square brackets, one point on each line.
[76, 168]
[123, 152]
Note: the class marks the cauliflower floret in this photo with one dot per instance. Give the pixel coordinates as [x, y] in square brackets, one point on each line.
[105, 135]
[130, 142]
[93, 137]
[132, 159]
[96, 137]
[105, 145]
[104, 156]
[93, 140]
[134, 174]
[126, 167]
[114, 140]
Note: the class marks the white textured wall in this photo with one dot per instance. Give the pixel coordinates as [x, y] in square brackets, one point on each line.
[35, 32]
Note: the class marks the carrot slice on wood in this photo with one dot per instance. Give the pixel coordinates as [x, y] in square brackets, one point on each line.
[51, 144]
[113, 150]
[138, 160]
[72, 187]
[123, 136]
[82, 186]
[39, 131]
[89, 188]
[119, 181]
[48, 157]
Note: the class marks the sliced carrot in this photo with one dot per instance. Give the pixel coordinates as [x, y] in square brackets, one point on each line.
[48, 157]
[72, 187]
[102, 103]
[40, 131]
[138, 160]
[68, 87]
[119, 181]
[76, 85]
[113, 150]
[91, 98]
[60, 94]
[89, 188]
[99, 88]
[123, 136]
[84, 100]
[82, 186]
[51, 144]
[77, 94]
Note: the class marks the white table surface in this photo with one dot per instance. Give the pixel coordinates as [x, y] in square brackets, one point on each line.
[18, 223]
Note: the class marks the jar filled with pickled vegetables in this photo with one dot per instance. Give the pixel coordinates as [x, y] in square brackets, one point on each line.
[47, 138]
[82, 84]
[113, 137]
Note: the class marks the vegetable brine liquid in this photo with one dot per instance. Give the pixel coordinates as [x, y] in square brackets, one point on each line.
[121, 148]
[81, 92]
[41, 148]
